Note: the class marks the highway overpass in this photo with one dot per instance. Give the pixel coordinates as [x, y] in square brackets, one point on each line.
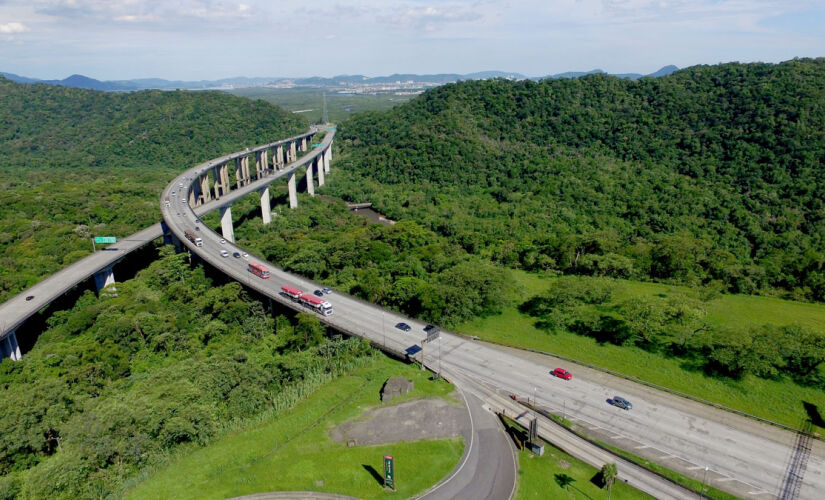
[739, 454]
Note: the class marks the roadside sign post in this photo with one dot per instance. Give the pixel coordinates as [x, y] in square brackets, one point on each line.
[389, 472]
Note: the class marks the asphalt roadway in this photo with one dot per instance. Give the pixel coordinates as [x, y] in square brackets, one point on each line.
[17, 309]
[743, 456]
[736, 454]
[487, 470]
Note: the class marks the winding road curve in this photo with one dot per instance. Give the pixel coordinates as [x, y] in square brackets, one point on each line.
[741, 458]
[745, 457]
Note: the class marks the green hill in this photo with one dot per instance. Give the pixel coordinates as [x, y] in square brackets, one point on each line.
[113, 153]
[712, 175]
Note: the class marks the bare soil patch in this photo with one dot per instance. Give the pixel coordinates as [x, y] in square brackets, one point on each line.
[408, 421]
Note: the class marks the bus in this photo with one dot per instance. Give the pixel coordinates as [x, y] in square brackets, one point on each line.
[292, 292]
[258, 270]
[317, 304]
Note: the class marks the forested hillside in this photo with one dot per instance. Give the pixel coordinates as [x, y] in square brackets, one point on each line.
[712, 175]
[117, 384]
[78, 163]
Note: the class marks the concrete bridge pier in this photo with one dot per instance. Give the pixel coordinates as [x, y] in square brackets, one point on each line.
[193, 195]
[266, 210]
[206, 193]
[167, 234]
[319, 164]
[259, 165]
[310, 182]
[104, 278]
[293, 192]
[227, 229]
[303, 144]
[278, 161]
[9, 347]
[224, 179]
[293, 155]
[327, 158]
[238, 173]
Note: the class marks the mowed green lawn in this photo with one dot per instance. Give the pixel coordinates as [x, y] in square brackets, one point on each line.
[293, 452]
[778, 400]
[558, 475]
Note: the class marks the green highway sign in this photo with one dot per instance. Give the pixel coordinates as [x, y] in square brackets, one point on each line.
[389, 472]
[317, 144]
[105, 239]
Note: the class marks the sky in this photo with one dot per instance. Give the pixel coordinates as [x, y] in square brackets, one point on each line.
[211, 39]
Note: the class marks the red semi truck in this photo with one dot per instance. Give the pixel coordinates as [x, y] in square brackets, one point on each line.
[308, 300]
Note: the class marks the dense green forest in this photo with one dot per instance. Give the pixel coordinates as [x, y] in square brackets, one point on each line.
[117, 384]
[403, 266]
[710, 176]
[114, 153]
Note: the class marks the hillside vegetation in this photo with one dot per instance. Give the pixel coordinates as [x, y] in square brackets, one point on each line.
[80, 163]
[712, 175]
[117, 384]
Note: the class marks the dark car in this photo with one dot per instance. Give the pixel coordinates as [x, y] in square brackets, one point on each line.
[319, 293]
[403, 327]
[237, 255]
[620, 402]
[30, 297]
[327, 290]
[430, 328]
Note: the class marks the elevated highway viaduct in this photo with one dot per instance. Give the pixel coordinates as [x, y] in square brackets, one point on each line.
[214, 179]
[738, 454]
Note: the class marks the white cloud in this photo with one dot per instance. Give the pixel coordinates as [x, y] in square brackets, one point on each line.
[11, 28]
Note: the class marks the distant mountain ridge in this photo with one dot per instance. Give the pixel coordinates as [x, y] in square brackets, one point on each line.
[85, 82]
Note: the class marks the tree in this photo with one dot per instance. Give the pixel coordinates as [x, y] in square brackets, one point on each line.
[609, 473]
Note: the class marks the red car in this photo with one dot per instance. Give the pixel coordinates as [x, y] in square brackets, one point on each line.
[562, 373]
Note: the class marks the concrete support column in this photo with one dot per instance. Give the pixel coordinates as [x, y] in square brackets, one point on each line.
[303, 143]
[319, 164]
[293, 155]
[226, 223]
[217, 186]
[265, 159]
[193, 195]
[239, 177]
[245, 169]
[329, 152]
[259, 167]
[9, 347]
[266, 210]
[167, 234]
[225, 179]
[310, 182]
[279, 157]
[327, 157]
[104, 278]
[205, 191]
[293, 192]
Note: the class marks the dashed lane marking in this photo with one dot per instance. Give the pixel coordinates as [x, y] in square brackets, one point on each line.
[642, 447]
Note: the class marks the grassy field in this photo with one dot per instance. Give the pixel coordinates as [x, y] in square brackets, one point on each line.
[293, 452]
[545, 477]
[310, 102]
[778, 400]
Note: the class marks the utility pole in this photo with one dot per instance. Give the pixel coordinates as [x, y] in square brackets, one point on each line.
[704, 480]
